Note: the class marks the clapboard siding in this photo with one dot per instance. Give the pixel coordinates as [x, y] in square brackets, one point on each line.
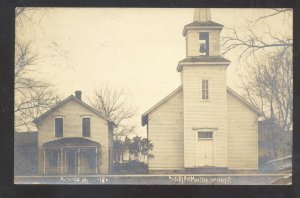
[173, 126]
[192, 40]
[242, 135]
[72, 112]
[209, 114]
[165, 130]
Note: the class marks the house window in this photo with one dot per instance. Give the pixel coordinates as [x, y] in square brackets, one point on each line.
[54, 159]
[86, 127]
[203, 43]
[205, 135]
[59, 127]
[204, 89]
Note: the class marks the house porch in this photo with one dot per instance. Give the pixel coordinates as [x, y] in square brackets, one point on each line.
[71, 156]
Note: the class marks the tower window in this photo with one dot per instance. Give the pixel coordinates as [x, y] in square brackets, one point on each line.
[203, 43]
[204, 89]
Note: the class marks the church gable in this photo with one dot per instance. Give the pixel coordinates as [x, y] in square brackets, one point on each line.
[172, 105]
[241, 130]
[230, 92]
[165, 125]
[235, 96]
[160, 104]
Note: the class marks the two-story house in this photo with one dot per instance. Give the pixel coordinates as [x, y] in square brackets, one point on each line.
[74, 138]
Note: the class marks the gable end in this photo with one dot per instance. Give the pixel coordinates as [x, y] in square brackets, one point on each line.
[71, 98]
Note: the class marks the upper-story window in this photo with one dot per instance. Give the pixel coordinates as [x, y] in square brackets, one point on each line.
[86, 127]
[59, 127]
[203, 43]
[204, 89]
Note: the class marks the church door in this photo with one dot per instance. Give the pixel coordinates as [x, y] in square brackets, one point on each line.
[204, 146]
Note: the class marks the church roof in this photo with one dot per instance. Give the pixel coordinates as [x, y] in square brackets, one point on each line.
[196, 25]
[203, 59]
[68, 99]
[202, 20]
[202, 14]
[167, 98]
[244, 101]
[206, 23]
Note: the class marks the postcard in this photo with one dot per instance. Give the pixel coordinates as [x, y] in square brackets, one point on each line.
[163, 96]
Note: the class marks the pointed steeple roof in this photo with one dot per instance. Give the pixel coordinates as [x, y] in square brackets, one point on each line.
[202, 15]
[202, 20]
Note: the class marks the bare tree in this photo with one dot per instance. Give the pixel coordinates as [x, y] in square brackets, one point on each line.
[114, 104]
[268, 85]
[268, 81]
[247, 41]
[25, 15]
[32, 97]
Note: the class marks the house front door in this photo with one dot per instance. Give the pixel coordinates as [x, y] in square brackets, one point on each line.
[204, 148]
[71, 162]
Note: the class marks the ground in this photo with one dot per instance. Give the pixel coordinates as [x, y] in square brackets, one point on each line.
[195, 179]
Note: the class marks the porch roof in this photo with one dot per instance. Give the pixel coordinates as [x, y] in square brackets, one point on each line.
[72, 141]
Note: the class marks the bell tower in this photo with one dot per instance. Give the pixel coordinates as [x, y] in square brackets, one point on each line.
[202, 35]
[203, 78]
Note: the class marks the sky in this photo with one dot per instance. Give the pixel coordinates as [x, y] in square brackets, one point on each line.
[136, 49]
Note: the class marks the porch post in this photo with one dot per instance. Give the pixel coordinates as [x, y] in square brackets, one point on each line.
[96, 160]
[78, 161]
[61, 160]
[44, 152]
[65, 159]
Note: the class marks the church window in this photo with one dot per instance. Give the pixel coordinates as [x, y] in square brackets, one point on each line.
[204, 89]
[203, 43]
[205, 135]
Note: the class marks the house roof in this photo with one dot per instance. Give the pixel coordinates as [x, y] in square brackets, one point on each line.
[71, 98]
[202, 60]
[145, 115]
[72, 141]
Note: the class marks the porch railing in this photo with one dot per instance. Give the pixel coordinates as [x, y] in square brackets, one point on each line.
[53, 170]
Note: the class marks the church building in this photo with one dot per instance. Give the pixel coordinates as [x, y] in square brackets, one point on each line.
[203, 124]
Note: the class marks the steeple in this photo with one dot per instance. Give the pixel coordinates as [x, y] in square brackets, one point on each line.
[202, 15]
[202, 40]
[204, 92]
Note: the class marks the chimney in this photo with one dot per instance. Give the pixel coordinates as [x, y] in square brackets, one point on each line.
[78, 94]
